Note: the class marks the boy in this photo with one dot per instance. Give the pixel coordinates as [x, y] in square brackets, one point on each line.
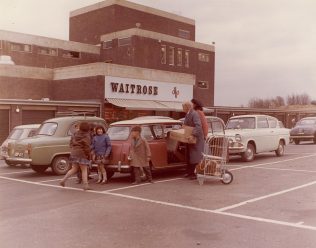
[139, 155]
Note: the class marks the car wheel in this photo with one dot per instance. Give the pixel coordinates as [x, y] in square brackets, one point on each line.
[227, 177]
[280, 151]
[8, 163]
[109, 174]
[296, 141]
[39, 168]
[61, 165]
[249, 154]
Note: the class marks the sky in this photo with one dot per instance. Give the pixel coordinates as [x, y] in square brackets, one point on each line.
[264, 48]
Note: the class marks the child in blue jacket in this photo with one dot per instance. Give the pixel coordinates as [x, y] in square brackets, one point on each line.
[101, 147]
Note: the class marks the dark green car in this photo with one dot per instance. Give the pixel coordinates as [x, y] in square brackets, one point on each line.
[50, 147]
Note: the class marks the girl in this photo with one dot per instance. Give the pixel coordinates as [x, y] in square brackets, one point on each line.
[101, 147]
[79, 154]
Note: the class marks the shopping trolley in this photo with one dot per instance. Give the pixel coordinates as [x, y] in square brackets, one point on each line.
[213, 164]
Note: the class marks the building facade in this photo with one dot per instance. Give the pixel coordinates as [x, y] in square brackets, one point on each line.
[132, 59]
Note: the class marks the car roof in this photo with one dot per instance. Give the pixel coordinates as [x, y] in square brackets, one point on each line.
[239, 116]
[27, 126]
[147, 121]
[74, 118]
[146, 117]
[310, 117]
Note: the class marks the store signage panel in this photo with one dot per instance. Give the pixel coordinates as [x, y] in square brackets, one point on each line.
[128, 88]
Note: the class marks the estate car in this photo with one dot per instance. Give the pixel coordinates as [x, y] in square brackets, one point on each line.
[251, 134]
[50, 146]
[166, 153]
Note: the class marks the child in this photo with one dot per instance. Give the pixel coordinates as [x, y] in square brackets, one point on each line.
[139, 155]
[101, 147]
[79, 154]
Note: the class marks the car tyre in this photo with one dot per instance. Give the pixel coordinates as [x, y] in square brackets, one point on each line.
[280, 151]
[8, 163]
[296, 141]
[249, 154]
[61, 165]
[39, 168]
[109, 174]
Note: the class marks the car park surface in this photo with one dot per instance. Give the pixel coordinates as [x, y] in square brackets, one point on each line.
[271, 203]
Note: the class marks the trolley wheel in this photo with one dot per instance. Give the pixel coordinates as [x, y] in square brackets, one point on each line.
[227, 177]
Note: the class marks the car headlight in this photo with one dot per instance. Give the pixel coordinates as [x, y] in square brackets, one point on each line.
[238, 137]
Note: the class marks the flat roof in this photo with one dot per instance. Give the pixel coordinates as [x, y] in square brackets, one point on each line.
[135, 6]
[157, 36]
[48, 42]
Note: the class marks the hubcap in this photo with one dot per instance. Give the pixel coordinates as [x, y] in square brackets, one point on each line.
[62, 164]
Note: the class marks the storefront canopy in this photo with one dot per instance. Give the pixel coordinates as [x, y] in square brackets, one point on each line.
[133, 104]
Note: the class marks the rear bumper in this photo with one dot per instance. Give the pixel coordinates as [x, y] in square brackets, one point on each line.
[14, 160]
[308, 137]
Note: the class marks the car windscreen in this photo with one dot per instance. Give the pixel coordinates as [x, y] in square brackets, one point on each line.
[241, 123]
[118, 133]
[15, 134]
[307, 122]
[48, 128]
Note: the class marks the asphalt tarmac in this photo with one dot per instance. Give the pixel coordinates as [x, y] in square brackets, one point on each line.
[271, 203]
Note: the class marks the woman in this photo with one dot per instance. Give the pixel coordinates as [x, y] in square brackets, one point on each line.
[79, 154]
[197, 106]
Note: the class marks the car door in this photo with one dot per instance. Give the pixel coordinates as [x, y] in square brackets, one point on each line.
[154, 134]
[262, 135]
[274, 133]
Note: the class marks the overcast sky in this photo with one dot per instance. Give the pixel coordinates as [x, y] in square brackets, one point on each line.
[264, 48]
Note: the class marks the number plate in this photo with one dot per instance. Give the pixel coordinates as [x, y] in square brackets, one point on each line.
[19, 154]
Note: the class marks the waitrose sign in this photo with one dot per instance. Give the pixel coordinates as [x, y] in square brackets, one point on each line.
[127, 88]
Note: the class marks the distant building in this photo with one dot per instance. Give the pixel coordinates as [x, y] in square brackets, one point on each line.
[132, 59]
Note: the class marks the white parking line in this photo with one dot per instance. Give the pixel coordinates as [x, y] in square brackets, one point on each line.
[264, 197]
[283, 223]
[279, 169]
[16, 172]
[142, 184]
[270, 163]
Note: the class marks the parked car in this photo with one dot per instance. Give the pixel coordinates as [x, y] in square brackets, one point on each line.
[17, 133]
[304, 130]
[252, 134]
[166, 153]
[50, 146]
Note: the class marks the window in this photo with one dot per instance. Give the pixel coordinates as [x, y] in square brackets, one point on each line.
[262, 122]
[163, 54]
[18, 47]
[202, 84]
[147, 133]
[216, 127]
[187, 58]
[179, 57]
[125, 41]
[185, 34]
[107, 44]
[171, 55]
[272, 122]
[48, 51]
[118, 133]
[204, 57]
[71, 54]
[48, 128]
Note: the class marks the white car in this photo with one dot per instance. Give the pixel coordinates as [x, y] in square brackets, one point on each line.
[17, 133]
[252, 134]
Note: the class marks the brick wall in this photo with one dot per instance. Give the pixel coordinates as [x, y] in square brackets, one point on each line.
[88, 27]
